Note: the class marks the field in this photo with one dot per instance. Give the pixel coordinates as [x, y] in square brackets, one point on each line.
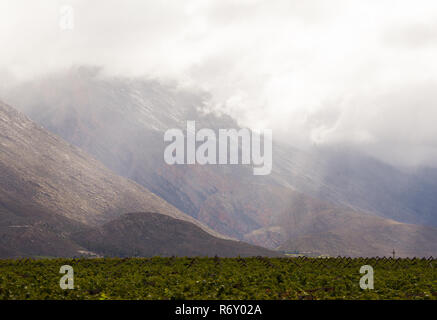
[218, 278]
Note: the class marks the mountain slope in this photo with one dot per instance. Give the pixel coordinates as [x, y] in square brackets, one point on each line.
[353, 179]
[121, 122]
[319, 228]
[28, 231]
[131, 235]
[50, 190]
[41, 168]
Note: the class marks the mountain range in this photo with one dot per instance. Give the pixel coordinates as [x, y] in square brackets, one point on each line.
[319, 202]
[55, 200]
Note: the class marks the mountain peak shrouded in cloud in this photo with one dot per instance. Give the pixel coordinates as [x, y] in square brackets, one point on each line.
[326, 202]
[338, 73]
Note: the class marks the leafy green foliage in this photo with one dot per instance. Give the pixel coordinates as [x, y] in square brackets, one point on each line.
[218, 278]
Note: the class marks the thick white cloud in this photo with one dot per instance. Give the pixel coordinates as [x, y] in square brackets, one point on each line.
[318, 72]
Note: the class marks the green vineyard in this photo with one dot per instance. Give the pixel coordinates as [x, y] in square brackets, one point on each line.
[219, 278]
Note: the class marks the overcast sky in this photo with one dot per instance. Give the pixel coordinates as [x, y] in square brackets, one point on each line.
[361, 73]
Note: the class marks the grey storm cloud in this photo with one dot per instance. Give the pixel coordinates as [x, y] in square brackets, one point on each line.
[359, 73]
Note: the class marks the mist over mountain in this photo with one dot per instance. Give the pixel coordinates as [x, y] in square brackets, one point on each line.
[354, 73]
[348, 177]
[325, 202]
[51, 190]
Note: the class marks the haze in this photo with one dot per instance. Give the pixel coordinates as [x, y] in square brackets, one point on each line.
[319, 73]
